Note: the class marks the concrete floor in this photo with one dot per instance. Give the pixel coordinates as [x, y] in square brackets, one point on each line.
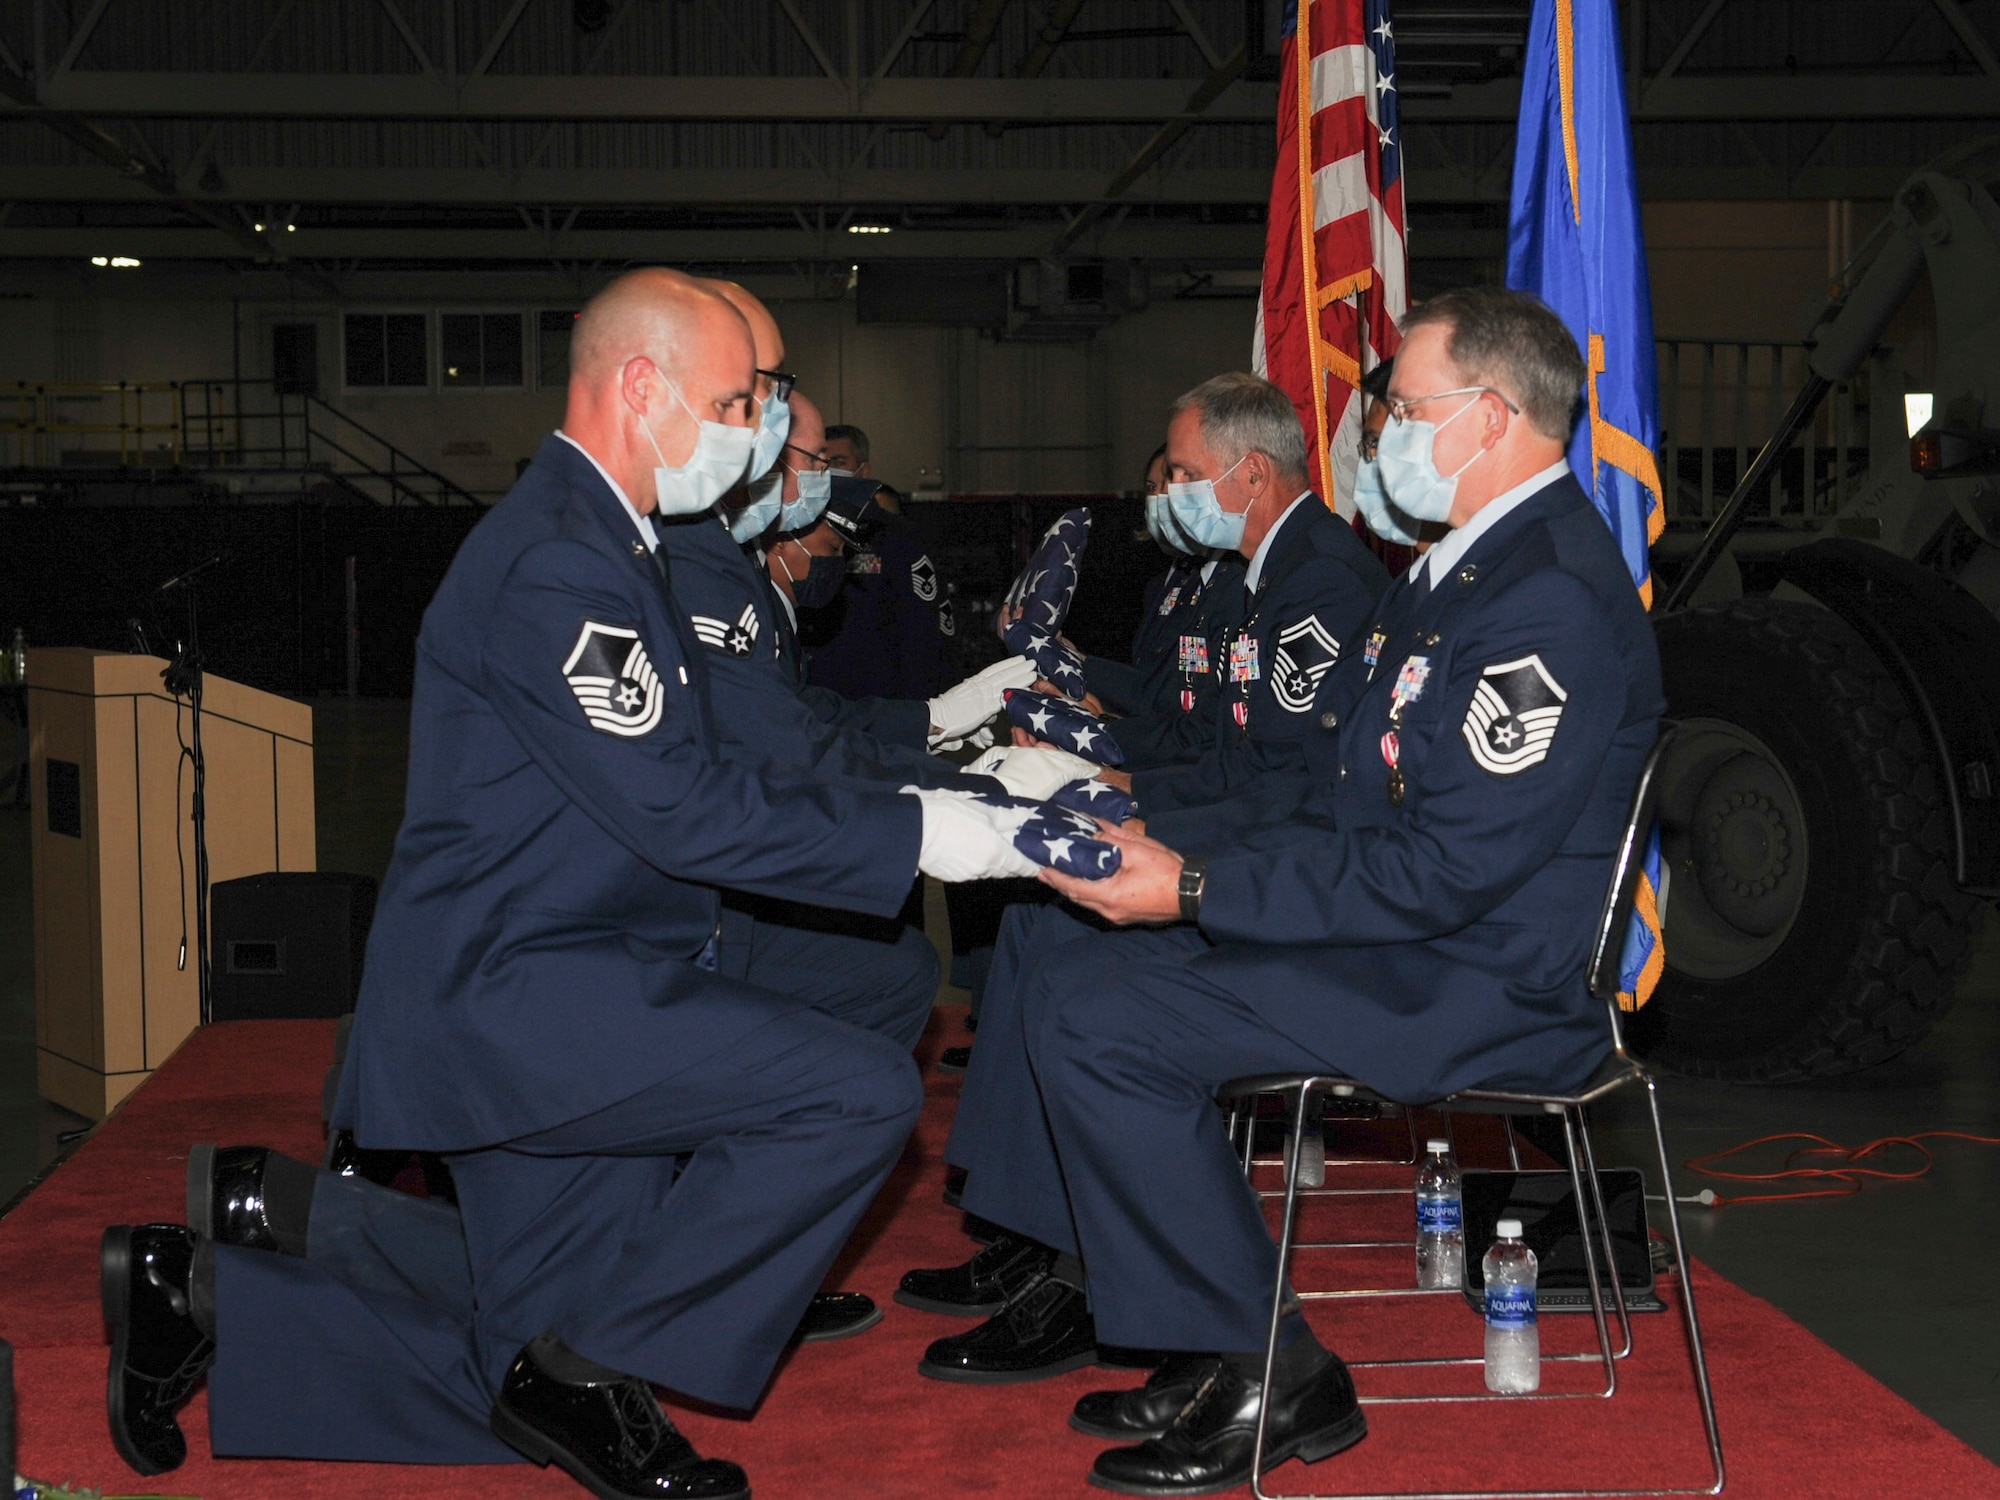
[1896, 1279]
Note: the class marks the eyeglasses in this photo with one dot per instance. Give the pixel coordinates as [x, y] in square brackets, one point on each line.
[1401, 410]
[781, 383]
[818, 459]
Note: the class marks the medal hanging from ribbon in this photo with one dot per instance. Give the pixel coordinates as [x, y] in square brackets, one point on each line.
[1409, 687]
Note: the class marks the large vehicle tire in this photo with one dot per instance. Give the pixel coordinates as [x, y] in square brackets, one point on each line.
[1813, 926]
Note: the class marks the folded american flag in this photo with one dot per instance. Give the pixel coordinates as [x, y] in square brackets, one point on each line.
[1061, 723]
[1053, 835]
[1099, 799]
[1058, 663]
[1047, 584]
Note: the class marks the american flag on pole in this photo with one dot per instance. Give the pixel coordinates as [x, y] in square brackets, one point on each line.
[1335, 270]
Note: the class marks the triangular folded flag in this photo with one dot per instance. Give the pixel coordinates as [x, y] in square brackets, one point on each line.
[1057, 722]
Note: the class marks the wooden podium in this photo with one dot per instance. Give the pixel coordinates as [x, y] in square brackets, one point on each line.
[113, 851]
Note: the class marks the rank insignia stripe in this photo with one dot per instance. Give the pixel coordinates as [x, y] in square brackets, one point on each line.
[923, 578]
[1512, 719]
[1306, 653]
[735, 639]
[614, 683]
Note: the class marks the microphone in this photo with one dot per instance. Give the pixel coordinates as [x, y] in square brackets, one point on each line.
[179, 580]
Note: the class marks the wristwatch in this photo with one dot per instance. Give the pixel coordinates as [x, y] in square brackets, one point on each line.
[1194, 875]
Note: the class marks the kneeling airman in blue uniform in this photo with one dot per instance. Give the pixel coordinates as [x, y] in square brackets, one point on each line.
[656, 1162]
[1420, 922]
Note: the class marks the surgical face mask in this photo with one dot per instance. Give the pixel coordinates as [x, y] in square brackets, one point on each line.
[815, 489]
[1201, 515]
[755, 518]
[1384, 521]
[1160, 524]
[822, 580]
[774, 425]
[1405, 457]
[717, 463]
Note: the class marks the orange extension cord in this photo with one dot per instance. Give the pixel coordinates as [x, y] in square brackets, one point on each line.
[1846, 1171]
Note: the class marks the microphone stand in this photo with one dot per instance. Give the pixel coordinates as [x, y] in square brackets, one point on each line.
[183, 679]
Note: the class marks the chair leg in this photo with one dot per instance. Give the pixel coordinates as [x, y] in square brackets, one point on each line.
[1604, 1234]
[1278, 1288]
[1589, 1257]
[1701, 1384]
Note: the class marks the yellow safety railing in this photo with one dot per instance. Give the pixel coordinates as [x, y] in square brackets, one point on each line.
[35, 415]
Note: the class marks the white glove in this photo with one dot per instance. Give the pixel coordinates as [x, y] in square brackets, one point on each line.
[1032, 771]
[957, 711]
[979, 739]
[965, 839]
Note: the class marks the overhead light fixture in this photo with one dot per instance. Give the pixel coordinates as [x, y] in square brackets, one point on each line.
[870, 229]
[258, 227]
[116, 262]
[100, 260]
[1917, 407]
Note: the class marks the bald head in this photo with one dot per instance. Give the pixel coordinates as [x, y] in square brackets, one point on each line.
[653, 355]
[764, 332]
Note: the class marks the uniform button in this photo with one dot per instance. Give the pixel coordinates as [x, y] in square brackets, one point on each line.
[1328, 719]
[1431, 639]
[638, 549]
[1343, 773]
[1467, 573]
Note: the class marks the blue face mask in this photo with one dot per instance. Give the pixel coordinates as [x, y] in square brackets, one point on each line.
[1383, 519]
[1409, 471]
[774, 425]
[815, 488]
[1160, 526]
[1201, 516]
[751, 522]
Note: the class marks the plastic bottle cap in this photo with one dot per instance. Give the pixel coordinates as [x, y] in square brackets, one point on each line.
[1437, 1147]
[1508, 1229]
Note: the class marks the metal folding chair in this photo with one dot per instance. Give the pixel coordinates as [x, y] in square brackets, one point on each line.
[1618, 1070]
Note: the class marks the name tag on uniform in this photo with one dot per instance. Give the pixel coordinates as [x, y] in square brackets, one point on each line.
[1243, 660]
[1194, 654]
[1172, 598]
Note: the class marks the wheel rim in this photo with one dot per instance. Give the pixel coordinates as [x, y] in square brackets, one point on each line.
[1733, 838]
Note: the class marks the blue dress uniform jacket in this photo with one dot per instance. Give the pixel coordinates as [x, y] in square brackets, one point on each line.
[894, 721]
[1179, 728]
[1426, 924]
[569, 815]
[1317, 589]
[1169, 672]
[763, 717]
[885, 634]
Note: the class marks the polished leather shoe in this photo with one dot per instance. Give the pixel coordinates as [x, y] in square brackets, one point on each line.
[158, 1355]
[954, 1059]
[836, 1315]
[1149, 1410]
[1210, 1443]
[609, 1436]
[225, 1197]
[346, 1158]
[983, 1285]
[1045, 1329]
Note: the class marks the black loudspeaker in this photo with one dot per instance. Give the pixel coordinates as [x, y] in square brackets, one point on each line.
[288, 946]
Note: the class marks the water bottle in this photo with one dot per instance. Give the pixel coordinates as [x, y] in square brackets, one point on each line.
[1440, 1220]
[1513, 1342]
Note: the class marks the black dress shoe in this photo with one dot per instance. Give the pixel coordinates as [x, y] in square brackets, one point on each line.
[836, 1315]
[954, 1185]
[225, 1198]
[1045, 1329]
[158, 1355]
[1209, 1445]
[984, 1284]
[346, 1158]
[610, 1437]
[954, 1059]
[1148, 1411]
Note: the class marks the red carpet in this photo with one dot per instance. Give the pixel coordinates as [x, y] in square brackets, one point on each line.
[855, 1420]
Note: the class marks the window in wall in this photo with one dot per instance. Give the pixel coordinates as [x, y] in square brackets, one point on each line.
[386, 349]
[552, 330]
[480, 349]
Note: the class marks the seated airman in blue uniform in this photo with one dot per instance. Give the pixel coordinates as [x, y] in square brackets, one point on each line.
[1419, 921]
[656, 1162]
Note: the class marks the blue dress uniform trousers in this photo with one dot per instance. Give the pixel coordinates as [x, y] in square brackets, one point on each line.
[542, 1001]
[1317, 589]
[1421, 921]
